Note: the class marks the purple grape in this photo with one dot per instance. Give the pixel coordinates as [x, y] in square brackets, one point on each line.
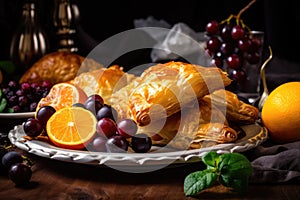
[11, 158]
[107, 111]
[13, 85]
[46, 84]
[78, 105]
[33, 127]
[98, 144]
[3, 151]
[20, 173]
[25, 87]
[141, 143]
[96, 97]
[127, 127]
[44, 113]
[16, 108]
[23, 101]
[117, 144]
[13, 100]
[93, 106]
[20, 92]
[33, 106]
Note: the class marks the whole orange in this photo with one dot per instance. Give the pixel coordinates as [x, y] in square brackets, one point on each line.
[281, 113]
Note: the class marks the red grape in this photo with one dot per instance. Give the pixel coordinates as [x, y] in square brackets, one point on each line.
[239, 75]
[212, 27]
[244, 44]
[233, 61]
[226, 48]
[253, 58]
[106, 127]
[237, 32]
[226, 33]
[213, 44]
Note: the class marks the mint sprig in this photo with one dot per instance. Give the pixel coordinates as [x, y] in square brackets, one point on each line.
[229, 169]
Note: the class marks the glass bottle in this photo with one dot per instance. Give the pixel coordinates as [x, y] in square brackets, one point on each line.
[29, 42]
[64, 20]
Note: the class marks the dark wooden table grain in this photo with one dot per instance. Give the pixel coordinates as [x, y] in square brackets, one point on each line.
[58, 180]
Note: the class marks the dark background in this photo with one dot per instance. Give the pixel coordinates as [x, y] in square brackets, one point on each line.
[100, 20]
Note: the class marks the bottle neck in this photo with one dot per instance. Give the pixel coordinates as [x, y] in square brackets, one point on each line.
[29, 14]
[65, 25]
[63, 17]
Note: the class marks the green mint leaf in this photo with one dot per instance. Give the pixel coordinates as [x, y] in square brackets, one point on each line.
[239, 185]
[197, 181]
[211, 159]
[234, 165]
[7, 66]
[3, 104]
[9, 110]
[235, 170]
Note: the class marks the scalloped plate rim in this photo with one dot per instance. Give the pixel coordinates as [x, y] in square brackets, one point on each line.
[47, 150]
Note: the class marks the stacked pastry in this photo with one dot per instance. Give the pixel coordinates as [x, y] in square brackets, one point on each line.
[183, 105]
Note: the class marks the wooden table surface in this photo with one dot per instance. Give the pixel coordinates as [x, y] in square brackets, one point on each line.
[58, 180]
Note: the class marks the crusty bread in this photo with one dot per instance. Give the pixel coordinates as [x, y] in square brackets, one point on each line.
[58, 67]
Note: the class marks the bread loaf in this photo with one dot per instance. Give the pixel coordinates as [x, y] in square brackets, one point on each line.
[58, 67]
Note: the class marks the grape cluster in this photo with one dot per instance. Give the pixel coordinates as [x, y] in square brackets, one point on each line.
[14, 164]
[113, 134]
[231, 47]
[22, 97]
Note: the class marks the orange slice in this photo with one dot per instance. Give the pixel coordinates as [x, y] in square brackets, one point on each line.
[63, 95]
[71, 127]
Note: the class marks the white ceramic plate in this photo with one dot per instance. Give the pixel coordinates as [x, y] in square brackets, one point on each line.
[16, 115]
[157, 158]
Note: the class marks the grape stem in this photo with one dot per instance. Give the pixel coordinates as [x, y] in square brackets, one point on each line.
[244, 9]
[237, 17]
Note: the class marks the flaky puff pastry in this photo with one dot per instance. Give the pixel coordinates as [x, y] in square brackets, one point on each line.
[236, 110]
[165, 88]
[103, 81]
[191, 128]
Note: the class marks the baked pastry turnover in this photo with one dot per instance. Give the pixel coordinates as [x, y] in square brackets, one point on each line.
[235, 110]
[165, 88]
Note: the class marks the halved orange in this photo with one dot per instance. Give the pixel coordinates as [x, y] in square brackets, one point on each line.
[71, 127]
[63, 95]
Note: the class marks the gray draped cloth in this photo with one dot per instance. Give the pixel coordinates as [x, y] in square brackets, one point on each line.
[275, 163]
